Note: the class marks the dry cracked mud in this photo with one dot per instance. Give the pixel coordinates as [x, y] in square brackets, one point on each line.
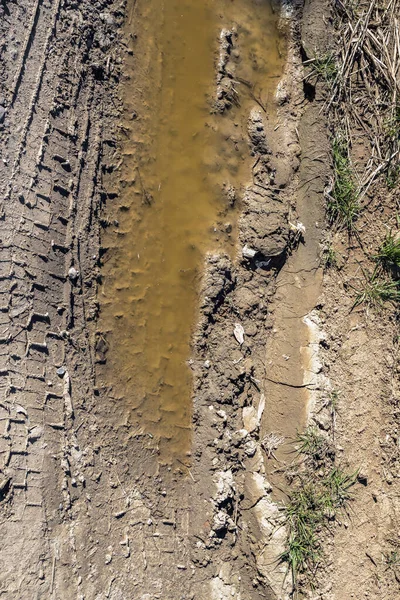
[126, 480]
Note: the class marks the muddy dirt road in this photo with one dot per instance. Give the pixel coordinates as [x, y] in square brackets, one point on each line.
[184, 365]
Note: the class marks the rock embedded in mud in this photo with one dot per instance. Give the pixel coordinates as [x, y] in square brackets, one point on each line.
[250, 420]
[222, 414]
[250, 448]
[73, 274]
[282, 94]
[248, 252]
[238, 332]
[220, 521]
[225, 487]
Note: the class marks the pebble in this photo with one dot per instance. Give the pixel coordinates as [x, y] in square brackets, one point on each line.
[238, 332]
[222, 414]
[61, 371]
[250, 448]
[248, 252]
[73, 274]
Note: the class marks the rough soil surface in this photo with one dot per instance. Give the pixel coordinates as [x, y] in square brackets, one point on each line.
[86, 512]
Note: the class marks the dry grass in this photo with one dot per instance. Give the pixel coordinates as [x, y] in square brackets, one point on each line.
[365, 92]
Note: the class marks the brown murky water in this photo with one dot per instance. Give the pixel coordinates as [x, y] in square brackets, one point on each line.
[177, 160]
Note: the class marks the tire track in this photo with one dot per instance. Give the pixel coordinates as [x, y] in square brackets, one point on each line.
[46, 150]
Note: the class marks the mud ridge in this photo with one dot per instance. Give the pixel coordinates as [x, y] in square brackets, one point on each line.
[235, 404]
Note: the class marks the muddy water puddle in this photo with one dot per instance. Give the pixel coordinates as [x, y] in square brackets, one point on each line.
[182, 175]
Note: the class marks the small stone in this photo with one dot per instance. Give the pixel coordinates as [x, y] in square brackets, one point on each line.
[61, 371]
[250, 420]
[248, 252]
[73, 274]
[220, 521]
[108, 559]
[250, 448]
[2, 114]
[238, 332]
[222, 414]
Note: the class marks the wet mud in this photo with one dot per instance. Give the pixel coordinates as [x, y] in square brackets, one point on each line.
[186, 161]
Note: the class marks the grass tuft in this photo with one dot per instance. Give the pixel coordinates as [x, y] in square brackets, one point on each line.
[321, 490]
[391, 125]
[388, 256]
[392, 562]
[343, 204]
[329, 257]
[303, 518]
[338, 485]
[392, 559]
[377, 290]
[392, 176]
[326, 67]
[313, 445]
[309, 509]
